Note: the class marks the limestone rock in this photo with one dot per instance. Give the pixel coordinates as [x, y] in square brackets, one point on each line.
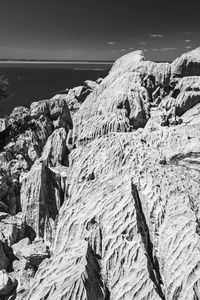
[91, 84]
[187, 64]
[127, 62]
[55, 150]
[186, 100]
[129, 225]
[192, 115]
[20, 246]
[120, 219]
[3, 124]
[34, 253]
[4, 262]
[7, 283]
[18, 113]
[187, 83]
[74, 98]
[41, 198]
[118, 107]
[55, 109]
[9, 193]
[12, 228]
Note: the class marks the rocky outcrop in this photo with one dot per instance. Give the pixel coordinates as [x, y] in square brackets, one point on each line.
[41, 198]
[32, 140]
[110, 207]
[55, 150]
[187, 64]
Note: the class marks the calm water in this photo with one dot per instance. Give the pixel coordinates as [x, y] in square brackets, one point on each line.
[38, 81]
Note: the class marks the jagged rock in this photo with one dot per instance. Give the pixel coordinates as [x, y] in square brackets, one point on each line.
[22, 264]
[55, 109]
[99, 80]
[74, 98]
[12, 228]
[20, 246]
[27, 139]
[41, 198]
[91, 84]
[192, 115]
[129, 225]
[127, 62]
[121, 102]
[3, 124]
[24, 273]
[80, 92]
[118, 107]
[188, 64]
[7, 283]
[34, 253]
[18, 113]
[4, 262]
[188, 83]
[55, 151]
[121, 218]
[186, 100]
[9, 193]
[39, 108]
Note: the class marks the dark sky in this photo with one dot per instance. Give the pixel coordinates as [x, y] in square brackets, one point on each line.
[94, 29]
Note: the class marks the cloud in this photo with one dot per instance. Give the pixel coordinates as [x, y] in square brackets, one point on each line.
[187, 41]
[111, 43]
[142, 43]
[154, 35]
[154, 49]
[168, 49]
[188, 47]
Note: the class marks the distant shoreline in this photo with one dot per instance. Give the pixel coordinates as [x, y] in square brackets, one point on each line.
[56, 62]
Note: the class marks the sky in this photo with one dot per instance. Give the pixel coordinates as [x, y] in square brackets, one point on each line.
[97, 30]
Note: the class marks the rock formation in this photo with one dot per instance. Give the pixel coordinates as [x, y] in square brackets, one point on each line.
[100, 188]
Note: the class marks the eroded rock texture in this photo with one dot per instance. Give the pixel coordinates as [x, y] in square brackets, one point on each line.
[110, 208]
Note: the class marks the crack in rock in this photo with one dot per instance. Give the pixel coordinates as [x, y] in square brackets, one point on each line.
[152, 262]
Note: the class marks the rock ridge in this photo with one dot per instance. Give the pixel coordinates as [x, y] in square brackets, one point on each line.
[99, 188]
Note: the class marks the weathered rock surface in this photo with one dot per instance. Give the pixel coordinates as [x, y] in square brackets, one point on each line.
[7, 283]
[187, 64]
[34, 253]
[41, 198]
[12, 228]
[4, 262]
[114, 201]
